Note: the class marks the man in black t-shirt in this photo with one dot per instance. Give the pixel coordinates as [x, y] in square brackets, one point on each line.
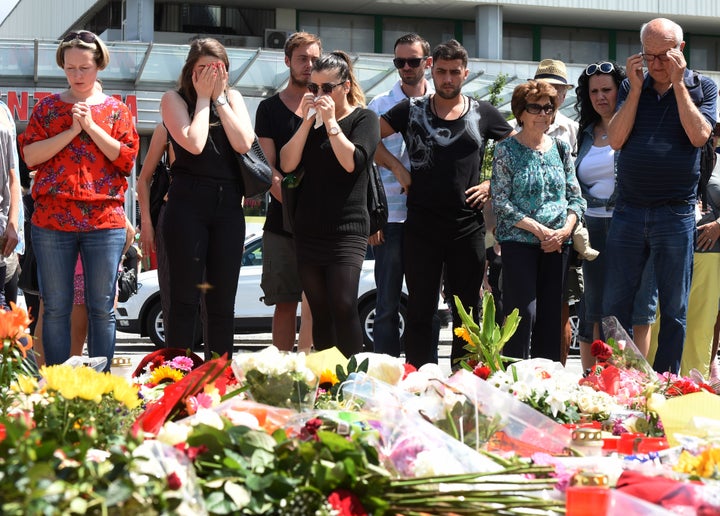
[445, 134]
[276, 120]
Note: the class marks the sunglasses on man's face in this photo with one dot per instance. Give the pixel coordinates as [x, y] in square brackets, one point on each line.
[412, 62]
[534, 109]
[326, 87]
[85, 37]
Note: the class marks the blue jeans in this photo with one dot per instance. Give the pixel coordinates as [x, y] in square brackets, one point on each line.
[645, 304]
[664, 236]
[56, 253]
[389, 273]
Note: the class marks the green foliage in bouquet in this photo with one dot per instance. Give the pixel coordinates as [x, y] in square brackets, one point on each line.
[287, 390]
[324, 469]
[246, 471]
[330, 395]
[46, 471]
[485, 342]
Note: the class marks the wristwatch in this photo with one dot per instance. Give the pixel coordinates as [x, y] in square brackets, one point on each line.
[334, 130]
[221, 100]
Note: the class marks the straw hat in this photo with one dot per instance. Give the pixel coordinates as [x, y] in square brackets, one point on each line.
[554, 72]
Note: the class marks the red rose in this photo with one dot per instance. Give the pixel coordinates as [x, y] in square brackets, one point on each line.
[346, 503]
[174, 481]
[600, 350]
[3, 432]
[482, 371]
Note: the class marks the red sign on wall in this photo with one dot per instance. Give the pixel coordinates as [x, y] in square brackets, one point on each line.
[19, 102]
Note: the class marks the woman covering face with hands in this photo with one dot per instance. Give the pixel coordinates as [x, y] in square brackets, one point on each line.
[335, 146]
[204, 223]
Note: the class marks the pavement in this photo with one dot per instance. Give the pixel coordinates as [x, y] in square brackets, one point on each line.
[135, 348]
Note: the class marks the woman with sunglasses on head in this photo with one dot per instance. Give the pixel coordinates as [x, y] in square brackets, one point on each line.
[335, 145]
[83, 145]
[537, 202]
[204, 223]
[596, 93]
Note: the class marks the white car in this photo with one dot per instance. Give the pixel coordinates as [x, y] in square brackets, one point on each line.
[142, 312]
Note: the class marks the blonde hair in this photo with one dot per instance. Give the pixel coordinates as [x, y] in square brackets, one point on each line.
[78, 39]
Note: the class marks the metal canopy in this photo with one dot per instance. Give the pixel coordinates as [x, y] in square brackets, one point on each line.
[255, 72]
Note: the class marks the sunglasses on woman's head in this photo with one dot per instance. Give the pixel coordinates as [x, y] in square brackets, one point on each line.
[534, 109]
[412, 62]
[326, 87]
[85, 37]
[602, 67]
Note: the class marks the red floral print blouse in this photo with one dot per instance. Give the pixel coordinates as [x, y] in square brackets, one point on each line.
[80, 189]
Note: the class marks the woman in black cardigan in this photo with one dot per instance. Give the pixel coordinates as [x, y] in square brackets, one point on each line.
[335, 146]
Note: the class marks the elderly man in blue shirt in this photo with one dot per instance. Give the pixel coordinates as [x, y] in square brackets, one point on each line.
[664, 117]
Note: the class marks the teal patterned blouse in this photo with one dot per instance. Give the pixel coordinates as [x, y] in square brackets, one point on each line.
[534, 184]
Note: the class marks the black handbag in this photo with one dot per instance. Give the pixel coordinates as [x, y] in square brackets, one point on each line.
[255, 171]
[158, 190]
[377, 204]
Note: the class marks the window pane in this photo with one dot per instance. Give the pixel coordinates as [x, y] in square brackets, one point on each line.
[434, 31]
[573, 45]
[627, 43]
[343, 32]
[517, 43]
[704, 52]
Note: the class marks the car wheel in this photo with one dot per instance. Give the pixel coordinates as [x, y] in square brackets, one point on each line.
[155, 328]
[155, 325]
[367, 320]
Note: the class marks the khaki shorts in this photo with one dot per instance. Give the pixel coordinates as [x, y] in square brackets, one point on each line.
[280, 279]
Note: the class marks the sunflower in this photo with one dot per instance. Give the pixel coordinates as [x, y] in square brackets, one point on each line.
[464, 334]
[165, 373]
[328, 379]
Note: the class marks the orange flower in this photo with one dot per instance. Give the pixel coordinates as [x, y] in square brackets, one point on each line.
[463, 334]
[13, 326]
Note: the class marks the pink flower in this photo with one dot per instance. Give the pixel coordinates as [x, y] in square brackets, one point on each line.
[201, 400]
[182, 363]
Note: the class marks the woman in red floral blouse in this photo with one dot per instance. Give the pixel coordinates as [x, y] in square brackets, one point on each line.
[83, 145]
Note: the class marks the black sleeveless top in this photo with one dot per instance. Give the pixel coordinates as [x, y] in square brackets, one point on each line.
[217, 159]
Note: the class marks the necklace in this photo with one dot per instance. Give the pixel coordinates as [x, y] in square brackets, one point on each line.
[465, 108]
[603, 136]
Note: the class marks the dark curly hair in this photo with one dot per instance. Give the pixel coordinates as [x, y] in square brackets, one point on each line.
[583, 106]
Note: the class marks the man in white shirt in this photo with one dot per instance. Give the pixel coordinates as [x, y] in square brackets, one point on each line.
[412, 59]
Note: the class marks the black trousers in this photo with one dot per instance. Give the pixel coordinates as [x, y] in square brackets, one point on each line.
[533, 282]
[204, 232]
[426, 254]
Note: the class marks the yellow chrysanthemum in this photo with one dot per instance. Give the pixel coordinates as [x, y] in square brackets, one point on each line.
[463, 334]
[125, 393]
[328, 377]
[25, 384]
[165, 374]
[76, 382]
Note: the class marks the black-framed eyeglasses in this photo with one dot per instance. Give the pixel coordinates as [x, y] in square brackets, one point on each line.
[326, 87]
[649, 58]
[604, 67]
[412, 62]
[535, 109]
[85, 37]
